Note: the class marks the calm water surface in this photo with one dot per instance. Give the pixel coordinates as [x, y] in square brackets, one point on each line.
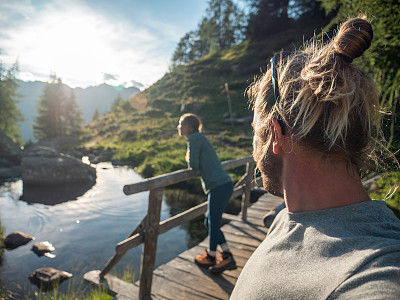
[84, 231]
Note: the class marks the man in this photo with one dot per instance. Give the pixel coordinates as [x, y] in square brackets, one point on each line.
[315, 123]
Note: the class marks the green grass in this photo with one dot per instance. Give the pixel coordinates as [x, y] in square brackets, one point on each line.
[387, 189]
[95, 294]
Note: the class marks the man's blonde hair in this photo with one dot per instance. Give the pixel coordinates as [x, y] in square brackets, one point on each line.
[325, 102]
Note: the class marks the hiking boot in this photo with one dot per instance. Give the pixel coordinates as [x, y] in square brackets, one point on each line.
[205, 260]
[224, 262]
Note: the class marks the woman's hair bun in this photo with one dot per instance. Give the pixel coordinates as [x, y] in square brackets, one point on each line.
[354, 37]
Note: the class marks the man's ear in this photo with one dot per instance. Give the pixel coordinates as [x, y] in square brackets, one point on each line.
[278, 138]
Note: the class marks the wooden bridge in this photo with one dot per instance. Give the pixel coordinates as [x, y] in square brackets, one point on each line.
[181, 278]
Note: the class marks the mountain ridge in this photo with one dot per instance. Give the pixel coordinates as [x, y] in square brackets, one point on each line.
[89, 99]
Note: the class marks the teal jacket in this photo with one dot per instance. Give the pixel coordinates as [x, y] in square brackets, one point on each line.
[203, 158]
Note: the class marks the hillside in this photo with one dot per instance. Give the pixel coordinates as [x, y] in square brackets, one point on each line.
[147, 138]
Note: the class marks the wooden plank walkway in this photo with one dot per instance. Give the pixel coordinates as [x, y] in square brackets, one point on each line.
[181, 278]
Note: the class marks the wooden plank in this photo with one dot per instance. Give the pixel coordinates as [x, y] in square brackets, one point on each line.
[229, 217]
[230, 275]
[268, 201]
[111, 284]
[163, 287]
[240, 256]
[189, 265]
[257, 213]
[242, 239]
[259, 236]
[122, 297]
[203, 284]
[232, 245]
[189, 255]
[246, 228]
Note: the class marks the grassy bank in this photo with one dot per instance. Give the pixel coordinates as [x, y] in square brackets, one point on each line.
[387, 189]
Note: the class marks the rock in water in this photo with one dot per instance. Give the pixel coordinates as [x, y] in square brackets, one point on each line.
[42, 248]
[45, 166]
[48, 278]
[16, 239]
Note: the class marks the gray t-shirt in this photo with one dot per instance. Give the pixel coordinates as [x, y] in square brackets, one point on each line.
[349, 252]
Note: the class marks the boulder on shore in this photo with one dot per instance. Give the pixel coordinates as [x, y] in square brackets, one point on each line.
[45, 166]
[16, 239]
[48, 278]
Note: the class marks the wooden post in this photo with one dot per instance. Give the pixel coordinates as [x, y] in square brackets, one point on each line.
[150, 243]
[247, 189]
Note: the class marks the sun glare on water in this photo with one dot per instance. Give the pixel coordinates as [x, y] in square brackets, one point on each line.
[85, 160]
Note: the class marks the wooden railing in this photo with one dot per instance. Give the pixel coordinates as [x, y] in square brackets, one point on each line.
[148, 230]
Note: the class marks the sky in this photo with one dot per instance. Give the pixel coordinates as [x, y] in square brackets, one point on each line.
[90, 42]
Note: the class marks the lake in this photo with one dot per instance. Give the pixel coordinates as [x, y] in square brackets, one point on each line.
[84, 231]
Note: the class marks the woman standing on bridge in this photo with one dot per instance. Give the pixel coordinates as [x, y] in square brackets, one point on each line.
[217, 185]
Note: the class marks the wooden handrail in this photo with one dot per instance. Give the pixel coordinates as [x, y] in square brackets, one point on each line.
[177, 176]
[149, 228]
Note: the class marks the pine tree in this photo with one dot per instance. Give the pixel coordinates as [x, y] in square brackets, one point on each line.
[225, 22]
[72, 116]
[10, 115]
[118, 101]
[222, 28]
[267, 18]
[96, 115]
[57, 114]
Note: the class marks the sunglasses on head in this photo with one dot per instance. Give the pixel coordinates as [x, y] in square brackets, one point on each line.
[274, 61]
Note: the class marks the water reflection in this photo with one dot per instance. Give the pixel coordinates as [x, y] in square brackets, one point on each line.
[54, 194]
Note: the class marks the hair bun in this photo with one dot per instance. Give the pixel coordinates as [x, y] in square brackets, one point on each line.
[354, 37]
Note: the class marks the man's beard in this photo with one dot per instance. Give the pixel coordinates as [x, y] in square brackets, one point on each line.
[270, 166]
